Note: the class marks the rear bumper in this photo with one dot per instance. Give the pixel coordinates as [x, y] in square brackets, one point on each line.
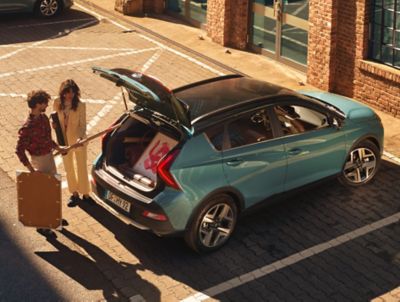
[134, 217]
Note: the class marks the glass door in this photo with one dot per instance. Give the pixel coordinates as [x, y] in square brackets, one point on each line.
[280, 30]
[194, 11]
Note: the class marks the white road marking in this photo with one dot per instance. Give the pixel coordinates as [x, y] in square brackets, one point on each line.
[22, 96]
[150, 61]
[391, 156]
[105, 57]
[280, 264]
[6, 56]
[49, 23]
[69, 47]
[159, 44]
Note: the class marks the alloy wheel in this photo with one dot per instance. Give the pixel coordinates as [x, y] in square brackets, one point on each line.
[217, 225]
[48, 8]
[360, 166]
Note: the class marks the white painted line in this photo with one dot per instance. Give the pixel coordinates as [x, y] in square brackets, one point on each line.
[178, 53]
[22, 95]
[150, 61]
[278, 265]
[49, 23]
[69, 47]
[6, 56]
[391, 156]
[105, 57]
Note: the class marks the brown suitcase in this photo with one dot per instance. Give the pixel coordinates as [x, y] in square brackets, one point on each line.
[39, 199]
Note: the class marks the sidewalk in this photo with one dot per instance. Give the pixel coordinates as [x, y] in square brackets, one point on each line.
[254, 65]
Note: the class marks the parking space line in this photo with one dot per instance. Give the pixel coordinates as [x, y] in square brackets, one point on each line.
[68, 47]
[22, 95]
[8, 55]
[161, 45]
[300, 256]
[49, 23]
[104, 57]
[391, 156]
[150, 61]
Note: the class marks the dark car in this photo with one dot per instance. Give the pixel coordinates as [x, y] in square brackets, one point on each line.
[190, 160]
[42, 8]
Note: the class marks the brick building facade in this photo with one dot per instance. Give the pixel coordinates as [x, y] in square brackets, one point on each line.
[337, 46]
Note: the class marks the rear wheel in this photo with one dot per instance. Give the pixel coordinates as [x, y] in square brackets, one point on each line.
[361, 164]
[47, 8]
[213, 224]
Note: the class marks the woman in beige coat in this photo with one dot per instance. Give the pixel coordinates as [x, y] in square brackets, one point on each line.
[72, 116]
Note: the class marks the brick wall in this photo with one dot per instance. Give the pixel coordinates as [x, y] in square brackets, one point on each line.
[227, 22]
[322, 43]
[338, 55]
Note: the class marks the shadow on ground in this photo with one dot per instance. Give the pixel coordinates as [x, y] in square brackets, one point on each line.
[23, 28]
[361, 269]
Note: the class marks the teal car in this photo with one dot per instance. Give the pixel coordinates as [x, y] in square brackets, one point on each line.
[42, 8]
[191, 160]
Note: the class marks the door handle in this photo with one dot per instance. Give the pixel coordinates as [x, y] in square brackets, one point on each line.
[295, 151]
[234, 162]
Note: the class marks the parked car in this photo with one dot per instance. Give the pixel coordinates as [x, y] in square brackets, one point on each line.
[190, 160]
[42, 8]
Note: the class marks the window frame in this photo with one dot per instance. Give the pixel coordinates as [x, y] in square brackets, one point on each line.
[377, 44]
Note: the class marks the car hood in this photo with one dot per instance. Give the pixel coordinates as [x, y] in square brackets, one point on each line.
[351, 108]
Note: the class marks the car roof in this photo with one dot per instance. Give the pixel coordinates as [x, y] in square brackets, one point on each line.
[215, 94]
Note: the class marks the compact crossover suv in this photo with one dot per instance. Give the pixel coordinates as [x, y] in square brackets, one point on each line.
[188, 161]
[42, 8]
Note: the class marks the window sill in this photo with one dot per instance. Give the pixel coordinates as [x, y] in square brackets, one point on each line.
[381, 70]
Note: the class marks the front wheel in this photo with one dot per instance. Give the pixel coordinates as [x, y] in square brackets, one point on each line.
[47, 8]
[361, 164]
[213, 224]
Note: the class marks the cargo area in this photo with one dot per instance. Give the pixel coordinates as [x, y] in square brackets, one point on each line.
[135, 149]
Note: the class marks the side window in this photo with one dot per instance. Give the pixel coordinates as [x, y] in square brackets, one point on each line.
[216, 136]
[249, 129]
[297, 119]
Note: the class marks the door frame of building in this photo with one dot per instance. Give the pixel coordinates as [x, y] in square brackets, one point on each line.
[279, 17]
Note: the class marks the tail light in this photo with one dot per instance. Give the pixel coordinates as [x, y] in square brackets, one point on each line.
[163, 169]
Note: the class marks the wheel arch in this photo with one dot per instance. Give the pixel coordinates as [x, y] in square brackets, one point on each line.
[235, 194]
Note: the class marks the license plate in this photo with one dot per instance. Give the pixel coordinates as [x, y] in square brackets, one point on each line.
[118, 201]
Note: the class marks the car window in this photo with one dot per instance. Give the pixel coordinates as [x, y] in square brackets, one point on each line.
[216, 136]
[297, 119]
[249, 128]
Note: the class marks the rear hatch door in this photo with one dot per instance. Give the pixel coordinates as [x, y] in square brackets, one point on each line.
[148, 93]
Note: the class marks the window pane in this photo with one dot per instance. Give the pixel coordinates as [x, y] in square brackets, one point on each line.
[388, 18]
[397, 59]
[378, 15]
[216, 136]
[388, 4]
[397, 39]
[298, 119]
[198, 10]
[387, 36]
[376, 51]
[398, 19]
[250, 129]
[377, 33]
[387, 54]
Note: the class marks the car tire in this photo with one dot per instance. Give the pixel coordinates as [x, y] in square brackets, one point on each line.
[361, 164]
[48, 8]
[213, 224]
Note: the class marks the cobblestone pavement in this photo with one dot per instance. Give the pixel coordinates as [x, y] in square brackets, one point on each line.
[40, 54]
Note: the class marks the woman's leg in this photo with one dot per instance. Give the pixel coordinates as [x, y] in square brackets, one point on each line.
[70, 172]
[82, 171]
